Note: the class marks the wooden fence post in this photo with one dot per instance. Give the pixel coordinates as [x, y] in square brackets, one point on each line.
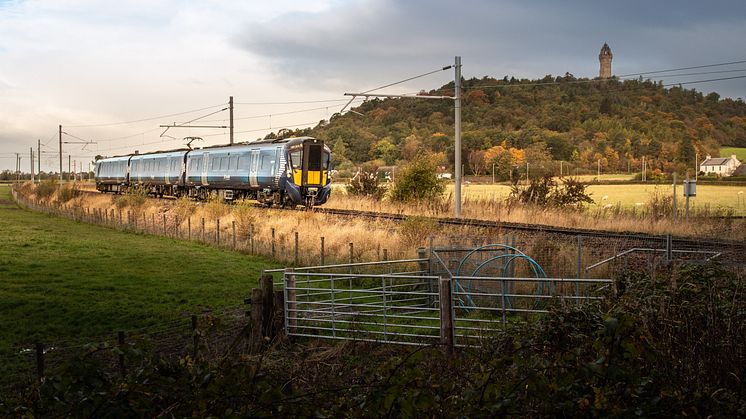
[296, 249]
[255, 343]
[267, 305]
[203, 229]
[164, 225]
[273, 243]
[446, 318]
[217, 232]
[321, 251]
[251, 238]
[189, 228]
[233, 224]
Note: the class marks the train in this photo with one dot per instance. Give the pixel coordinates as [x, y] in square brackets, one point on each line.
[281, 172]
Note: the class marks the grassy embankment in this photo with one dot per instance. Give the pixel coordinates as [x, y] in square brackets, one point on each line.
[61, 280]
[740, 152]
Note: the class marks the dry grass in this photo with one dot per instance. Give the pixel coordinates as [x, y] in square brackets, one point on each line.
[610, 219]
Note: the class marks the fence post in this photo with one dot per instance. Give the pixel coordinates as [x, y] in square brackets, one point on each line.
[251, 238]
[203, 229]
[321, 251]
[669, 248]
[195, 338]
[164, 225]
[217, 232]
[120, 340]
[40, 360]
[273, 242]
[296, 249]
[233, 224]
[267, 305]
[189, 228]
[290, 314]
[424, 264]
[256, 320]
[385, 255]
[446, 317]
[579, 268]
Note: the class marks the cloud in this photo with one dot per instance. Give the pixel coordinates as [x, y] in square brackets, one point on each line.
[363, 43]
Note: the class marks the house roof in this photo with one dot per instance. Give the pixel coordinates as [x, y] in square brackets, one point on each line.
[716, 161]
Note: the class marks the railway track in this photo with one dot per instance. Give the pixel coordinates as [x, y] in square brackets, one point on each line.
[532, 228]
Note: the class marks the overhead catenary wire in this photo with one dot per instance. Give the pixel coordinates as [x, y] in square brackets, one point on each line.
[144, 119]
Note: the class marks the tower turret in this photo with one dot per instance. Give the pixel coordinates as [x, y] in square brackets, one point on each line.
[604, 58]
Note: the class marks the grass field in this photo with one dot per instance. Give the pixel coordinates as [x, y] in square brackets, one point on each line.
[717, 197]
[61, 280]
[740, 152]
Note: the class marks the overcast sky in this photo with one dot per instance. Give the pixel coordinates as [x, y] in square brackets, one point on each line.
[92, 62]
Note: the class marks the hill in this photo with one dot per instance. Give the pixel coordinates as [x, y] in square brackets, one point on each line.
[579, 121]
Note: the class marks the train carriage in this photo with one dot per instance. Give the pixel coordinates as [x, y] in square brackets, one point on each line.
[290, 171]
[112, 175]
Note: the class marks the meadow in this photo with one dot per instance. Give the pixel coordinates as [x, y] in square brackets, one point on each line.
[740, 152]
[62, 280]
[634, 196]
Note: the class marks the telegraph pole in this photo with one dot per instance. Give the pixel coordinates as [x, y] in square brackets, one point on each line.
[230, 108]
[457, 111]
[38, 157]
[32, 164]
[18, 166]
[61, 153]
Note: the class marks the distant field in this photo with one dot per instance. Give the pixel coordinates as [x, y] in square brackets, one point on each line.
[61, 280]
[740, 152]
[628, 196]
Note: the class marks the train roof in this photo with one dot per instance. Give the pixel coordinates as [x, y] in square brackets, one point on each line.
[290, 141]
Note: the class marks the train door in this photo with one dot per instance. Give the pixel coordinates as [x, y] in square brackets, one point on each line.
[205, 163]
[254, 169]
[313, 156]
[169, 162]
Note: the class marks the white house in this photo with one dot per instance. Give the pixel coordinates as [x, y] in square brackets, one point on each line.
[723, 166]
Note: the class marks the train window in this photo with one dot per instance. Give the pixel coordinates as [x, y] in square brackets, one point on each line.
[314, 157]
[223, 163]
[234, 163]
[327, 157]
[295, 159]
[212, 163]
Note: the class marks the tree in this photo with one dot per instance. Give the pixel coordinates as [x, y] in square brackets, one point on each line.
[418, 181]
[477, 163]
[366, 183]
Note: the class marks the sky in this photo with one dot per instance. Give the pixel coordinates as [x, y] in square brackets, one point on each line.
[95, 67]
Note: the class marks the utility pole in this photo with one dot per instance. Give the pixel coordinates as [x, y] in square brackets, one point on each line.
[230, 108]
[61, 153]
[69, 159]
[18, 166]
[527, 179]
[598, 171]
[32, 164]
[673, 210]
[696, 166]
[38, 151]
[457, 111]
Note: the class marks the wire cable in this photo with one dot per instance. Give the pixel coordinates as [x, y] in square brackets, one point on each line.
[684, 68]
[144, 119]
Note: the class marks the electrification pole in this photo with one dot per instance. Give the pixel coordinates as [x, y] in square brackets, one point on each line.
[457, 157]
[230, 108]
[38, 157]
[60, 153]
[32, 164]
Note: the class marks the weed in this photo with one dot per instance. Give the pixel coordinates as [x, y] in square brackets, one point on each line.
[46, 189]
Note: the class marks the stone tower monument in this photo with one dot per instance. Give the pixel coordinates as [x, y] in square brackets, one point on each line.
[605, 59]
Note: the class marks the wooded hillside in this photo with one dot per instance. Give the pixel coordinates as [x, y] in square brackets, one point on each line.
[578, 121]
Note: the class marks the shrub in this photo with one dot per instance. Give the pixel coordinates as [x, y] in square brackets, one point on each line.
[545, 191]
[184, 207]
[414, 230]
[245, 214]
[215, 207]
[366, 183]
[68, 192]
[46, 189]
[418, 181]
[135, 198]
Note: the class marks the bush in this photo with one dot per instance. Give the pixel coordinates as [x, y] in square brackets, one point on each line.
[414, 230]
[366, 183]
[46, 189]
[68, 192]
[135, 198]
[215, 207]
[184, 207]
[545, 191]
[244, 212]
[418, 181]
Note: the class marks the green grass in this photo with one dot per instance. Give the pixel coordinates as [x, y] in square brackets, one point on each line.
[61, 280]
[740, 152]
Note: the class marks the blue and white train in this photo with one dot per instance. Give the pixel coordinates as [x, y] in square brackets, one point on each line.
[283, 172]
